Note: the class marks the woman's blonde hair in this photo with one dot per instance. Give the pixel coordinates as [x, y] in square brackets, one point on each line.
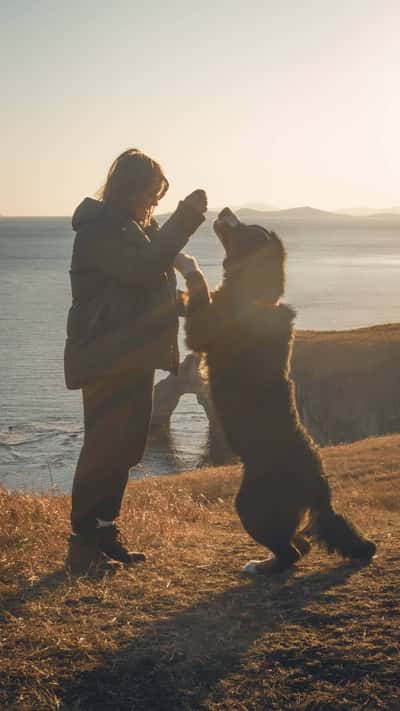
[131, 174]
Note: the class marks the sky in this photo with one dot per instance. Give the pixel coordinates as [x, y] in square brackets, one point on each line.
[287, 103]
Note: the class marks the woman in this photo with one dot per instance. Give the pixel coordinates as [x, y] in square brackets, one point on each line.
[122, 325]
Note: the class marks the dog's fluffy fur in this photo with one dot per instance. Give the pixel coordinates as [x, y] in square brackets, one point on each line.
[246, 336]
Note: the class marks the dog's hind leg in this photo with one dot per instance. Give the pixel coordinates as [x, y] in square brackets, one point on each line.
[272, 526]
[336, 532]
[284, 558]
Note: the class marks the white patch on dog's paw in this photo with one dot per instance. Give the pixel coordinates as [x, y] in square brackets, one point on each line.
[251, 567]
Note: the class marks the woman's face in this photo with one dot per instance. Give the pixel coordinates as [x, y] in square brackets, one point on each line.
[143, 204]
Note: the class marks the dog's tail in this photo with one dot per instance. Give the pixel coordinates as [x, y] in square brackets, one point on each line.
[335, 532]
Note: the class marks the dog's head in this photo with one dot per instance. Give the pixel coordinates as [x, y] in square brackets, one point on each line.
[254, 255]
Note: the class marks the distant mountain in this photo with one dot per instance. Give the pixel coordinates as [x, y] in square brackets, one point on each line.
[304, 213]
[260, 206]
[388, 216]
[390, 211]
[367, 211]
[355, 211]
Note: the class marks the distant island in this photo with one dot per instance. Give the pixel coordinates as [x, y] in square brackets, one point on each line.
[368, 211]
[312, 215]
[292, 213]
[308, 215]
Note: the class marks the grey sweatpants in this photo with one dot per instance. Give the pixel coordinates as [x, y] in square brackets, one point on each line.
[117, 412]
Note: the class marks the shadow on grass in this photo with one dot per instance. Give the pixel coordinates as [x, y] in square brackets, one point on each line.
[181, 660]
[27, 591]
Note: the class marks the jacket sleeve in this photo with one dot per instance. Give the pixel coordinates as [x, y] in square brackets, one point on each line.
[130, 257]
[199, 324]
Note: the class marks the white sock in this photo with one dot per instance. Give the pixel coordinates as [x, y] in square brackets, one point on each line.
[104, 524]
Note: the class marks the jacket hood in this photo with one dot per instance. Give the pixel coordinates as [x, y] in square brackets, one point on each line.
[89, 210]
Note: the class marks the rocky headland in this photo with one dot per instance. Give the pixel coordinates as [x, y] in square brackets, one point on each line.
[347, 385]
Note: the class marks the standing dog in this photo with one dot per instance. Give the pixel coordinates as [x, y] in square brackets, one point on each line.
[246, 336]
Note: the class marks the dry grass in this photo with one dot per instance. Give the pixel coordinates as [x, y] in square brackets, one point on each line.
[185, 630]
[373, 351]
[370, 335]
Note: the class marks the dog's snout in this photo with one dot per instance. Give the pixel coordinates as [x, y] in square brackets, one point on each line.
[227, 217]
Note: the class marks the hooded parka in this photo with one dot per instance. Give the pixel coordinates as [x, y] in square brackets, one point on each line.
[124, 313]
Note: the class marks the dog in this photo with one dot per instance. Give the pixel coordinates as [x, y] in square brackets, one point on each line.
[246, 335]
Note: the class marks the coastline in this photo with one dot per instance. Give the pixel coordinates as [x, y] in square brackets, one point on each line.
[347, 388]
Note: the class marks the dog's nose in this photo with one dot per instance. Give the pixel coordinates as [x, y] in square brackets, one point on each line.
[227, 217]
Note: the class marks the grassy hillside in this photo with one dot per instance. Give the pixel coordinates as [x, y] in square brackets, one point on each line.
[386, 333]
[186, 630]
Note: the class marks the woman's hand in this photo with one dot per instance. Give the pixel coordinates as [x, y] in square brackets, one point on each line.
[197, 200]
[185, 264]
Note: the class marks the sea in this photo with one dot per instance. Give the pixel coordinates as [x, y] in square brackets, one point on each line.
[339, 276]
